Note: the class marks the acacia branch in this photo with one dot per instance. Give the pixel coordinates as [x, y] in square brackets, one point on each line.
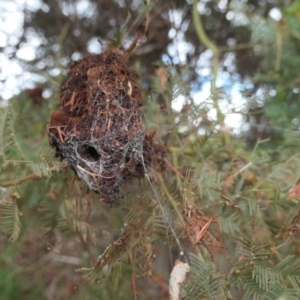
[30, 177]
[204, 39]
[209, 45]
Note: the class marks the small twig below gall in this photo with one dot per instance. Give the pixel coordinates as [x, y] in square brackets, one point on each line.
[93, 174]
[60, 132]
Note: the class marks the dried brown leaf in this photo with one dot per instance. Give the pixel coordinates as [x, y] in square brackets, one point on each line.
[227, 183]
[295, 191]
[161, 73]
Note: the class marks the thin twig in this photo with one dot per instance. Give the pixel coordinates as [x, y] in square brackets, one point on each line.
[278, 47]
[173, 202]
[215, 67]
[236, 47]
[30, 177]
[93, 174]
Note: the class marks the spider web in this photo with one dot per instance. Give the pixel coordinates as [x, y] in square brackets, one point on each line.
[98, 128]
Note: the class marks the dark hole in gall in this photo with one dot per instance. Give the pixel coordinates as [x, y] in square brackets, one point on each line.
[88, 152]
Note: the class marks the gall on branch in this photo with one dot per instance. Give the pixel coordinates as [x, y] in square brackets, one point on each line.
[98, 127]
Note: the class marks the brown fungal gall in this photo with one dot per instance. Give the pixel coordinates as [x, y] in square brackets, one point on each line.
[98, 128]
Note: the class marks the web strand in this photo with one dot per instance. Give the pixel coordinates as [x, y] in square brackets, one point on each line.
[163, 210]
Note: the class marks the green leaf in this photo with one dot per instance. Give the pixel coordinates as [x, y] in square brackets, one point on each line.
[10, 218]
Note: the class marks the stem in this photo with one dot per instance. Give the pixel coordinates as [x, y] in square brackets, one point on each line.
[236, 47]
[204, 39]
[173, 202]
[29, 177]
[278, 48]
[200, 30]
[209, 45]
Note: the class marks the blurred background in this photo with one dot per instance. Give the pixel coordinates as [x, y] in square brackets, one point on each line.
[40, 39]
[220, 82]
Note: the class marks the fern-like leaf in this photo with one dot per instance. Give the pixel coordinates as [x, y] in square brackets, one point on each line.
[6, 128]
[228, 225]
[10, 218]
[277, 291]
[205, 282]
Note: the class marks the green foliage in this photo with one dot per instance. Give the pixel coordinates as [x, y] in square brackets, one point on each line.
[10, 216]
[207, 282]
[121, 34]
[225, 182]
[6, 129]
[226, 203]
[13, 285]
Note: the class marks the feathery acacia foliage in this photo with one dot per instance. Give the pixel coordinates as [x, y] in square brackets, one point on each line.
[226, 203]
